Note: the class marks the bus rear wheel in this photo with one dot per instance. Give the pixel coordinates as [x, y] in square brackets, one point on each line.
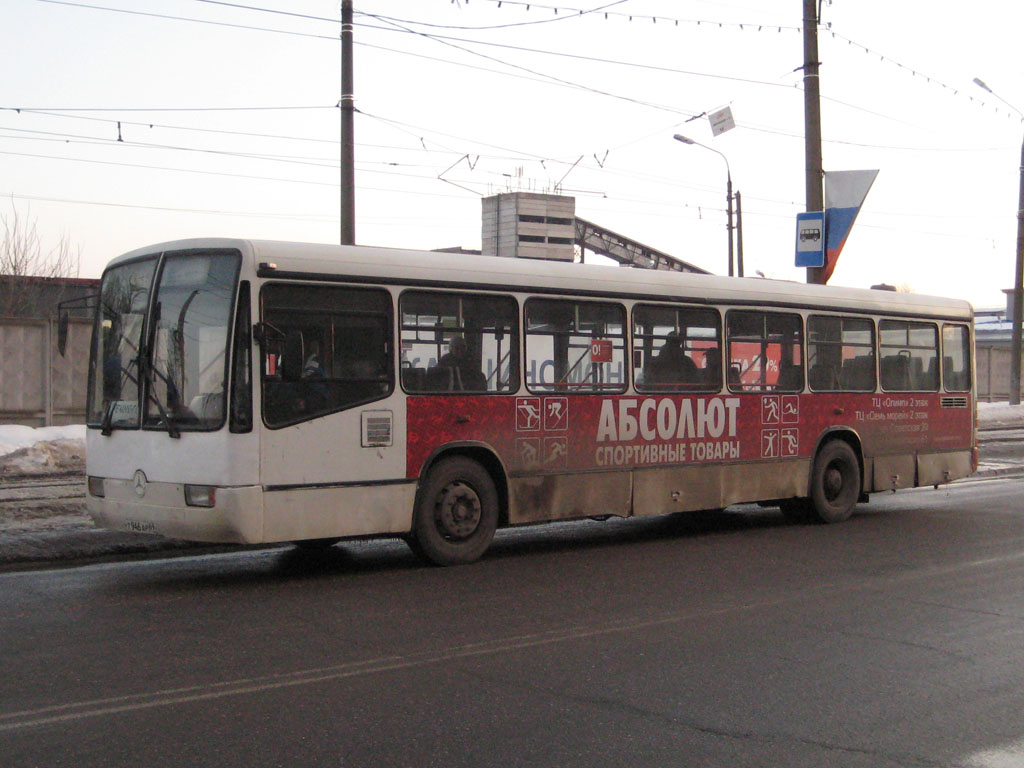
[456, 513]
[835, 482]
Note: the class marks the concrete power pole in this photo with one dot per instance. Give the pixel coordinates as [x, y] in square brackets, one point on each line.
[812, 124]
[348, 108]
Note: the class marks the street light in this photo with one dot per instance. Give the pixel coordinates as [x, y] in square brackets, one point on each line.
[728, 195]
[1018, 282]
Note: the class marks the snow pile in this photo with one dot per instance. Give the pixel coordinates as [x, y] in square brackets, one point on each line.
[41, 451]
[992, 415]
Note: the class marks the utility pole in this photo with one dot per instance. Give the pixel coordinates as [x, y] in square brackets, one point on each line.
[1018, 276]
[812, 124]
[739, 235]
[348, 143]
[728, 198]
[1018, 293]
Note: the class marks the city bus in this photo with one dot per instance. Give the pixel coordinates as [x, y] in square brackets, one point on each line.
[249, 392]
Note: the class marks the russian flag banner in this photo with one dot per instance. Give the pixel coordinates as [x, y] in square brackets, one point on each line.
[844, 194]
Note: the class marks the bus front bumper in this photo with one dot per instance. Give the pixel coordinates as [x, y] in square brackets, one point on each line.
[236, 516]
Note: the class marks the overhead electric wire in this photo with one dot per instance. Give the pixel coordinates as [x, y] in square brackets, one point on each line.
[191, 19]
[578, 13]
[226, 174]
[575, 56]
[165, 126]
[438, 38]
[172, 109]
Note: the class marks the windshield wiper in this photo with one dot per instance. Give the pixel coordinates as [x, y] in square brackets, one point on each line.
[147, 370]
[172, 430]
[125, 374]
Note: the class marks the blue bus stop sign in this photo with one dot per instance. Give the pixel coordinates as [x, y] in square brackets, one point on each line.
[810, 239]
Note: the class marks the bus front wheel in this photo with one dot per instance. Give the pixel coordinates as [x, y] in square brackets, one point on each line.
[456, 514]
[835, 482]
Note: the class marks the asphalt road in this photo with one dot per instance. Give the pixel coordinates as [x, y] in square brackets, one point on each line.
[896, 639]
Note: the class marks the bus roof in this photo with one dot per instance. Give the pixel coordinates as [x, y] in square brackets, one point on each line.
[369, 264]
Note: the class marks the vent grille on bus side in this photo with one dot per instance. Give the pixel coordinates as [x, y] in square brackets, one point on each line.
[954, 402]
[377, 428]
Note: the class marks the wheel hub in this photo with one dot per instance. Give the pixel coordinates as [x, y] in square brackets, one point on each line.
[458, 511]
[833, 482]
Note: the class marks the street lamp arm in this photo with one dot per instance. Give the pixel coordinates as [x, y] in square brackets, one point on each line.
[981, 84]
[688, 140]
[728, 193]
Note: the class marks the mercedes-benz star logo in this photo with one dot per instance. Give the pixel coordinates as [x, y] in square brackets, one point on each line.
[139, 483]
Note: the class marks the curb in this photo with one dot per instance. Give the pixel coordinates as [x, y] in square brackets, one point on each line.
[81, 545]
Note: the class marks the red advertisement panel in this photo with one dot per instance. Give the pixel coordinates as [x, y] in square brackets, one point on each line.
[551, 433]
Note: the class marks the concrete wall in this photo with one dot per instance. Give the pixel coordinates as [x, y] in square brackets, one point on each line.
[993, 365]
[38, 387]
[527, 225]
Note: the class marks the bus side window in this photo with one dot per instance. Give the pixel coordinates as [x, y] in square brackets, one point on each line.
[575, 346]
[676, 348]
[908, 356]
[840, 353]
[459, 342]
[767, 347]
[956, 361]
[345, 356]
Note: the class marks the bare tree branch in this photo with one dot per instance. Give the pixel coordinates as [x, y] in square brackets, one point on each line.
[22, 255]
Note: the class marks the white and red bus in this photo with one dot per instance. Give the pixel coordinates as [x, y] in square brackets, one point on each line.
[261, 391]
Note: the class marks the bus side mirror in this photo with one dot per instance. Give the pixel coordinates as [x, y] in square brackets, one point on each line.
[293, 356]
[62, 332]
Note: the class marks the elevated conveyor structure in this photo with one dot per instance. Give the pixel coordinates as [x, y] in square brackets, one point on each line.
[603, 241]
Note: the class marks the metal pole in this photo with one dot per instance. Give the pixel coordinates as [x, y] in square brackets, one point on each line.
[728, 197]
[812, 124]
[728, 189]
[1018, 293]
[739, 235]
[347, 103]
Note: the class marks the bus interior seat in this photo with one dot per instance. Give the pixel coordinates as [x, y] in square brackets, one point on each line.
[440, 378]
[858, 373]
[791, 379]
[953, 379]
[916, 372]
[822, 377]
[896, 372]
[413, 379]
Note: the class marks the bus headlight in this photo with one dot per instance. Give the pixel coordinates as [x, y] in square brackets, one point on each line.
[200, 495]
[96, 487]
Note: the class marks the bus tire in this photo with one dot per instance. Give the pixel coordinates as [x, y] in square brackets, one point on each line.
[835, 482]
[456, 513]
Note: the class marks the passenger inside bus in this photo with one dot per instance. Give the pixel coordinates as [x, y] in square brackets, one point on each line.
[455, 371]
[712, 373]
[671, 366]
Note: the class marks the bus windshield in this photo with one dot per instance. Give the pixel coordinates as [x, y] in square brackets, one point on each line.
[163, 356]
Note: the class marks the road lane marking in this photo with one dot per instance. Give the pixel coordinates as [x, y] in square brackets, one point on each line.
[64, 713]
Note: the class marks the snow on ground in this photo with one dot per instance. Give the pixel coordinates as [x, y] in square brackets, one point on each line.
[41, 451]
[998, 415]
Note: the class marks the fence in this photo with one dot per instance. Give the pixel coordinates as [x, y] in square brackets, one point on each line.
[38, 387]
[993, 365]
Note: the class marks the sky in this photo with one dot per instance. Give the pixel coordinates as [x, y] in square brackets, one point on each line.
[190, 118]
